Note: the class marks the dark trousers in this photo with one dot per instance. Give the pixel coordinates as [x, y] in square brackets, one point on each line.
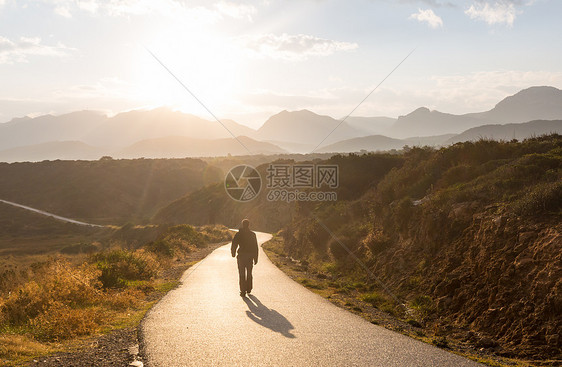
[245, 265]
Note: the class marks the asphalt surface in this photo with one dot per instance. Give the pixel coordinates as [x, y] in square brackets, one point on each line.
[205, 322]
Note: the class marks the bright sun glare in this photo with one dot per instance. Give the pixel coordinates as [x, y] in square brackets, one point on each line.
[207, 64]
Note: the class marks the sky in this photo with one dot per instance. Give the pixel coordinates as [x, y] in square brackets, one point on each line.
[247, 60]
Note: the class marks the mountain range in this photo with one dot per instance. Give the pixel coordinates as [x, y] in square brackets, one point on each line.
[163, 133]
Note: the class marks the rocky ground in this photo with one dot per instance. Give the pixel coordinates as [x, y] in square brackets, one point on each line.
[118, 348]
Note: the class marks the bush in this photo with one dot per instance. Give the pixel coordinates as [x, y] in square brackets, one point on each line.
[377, 241]
[161, 247]
[61, 321]
[423, 306]
[541, 198]
[120, 266]
[57, 282]
[124, 299]
[24, 304]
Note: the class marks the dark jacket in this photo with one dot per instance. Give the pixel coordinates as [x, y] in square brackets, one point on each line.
[247, 244]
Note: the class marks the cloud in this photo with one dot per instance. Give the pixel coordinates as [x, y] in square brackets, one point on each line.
[432, 3]
[428, 16]
[501, 12]
[236, 10]
[174, 9]
[63, 11]
[294, 47]
[25, 47]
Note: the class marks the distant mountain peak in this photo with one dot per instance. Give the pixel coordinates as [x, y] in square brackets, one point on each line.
[539, 89]
[532, 93]
[541, 102]
[421, 110]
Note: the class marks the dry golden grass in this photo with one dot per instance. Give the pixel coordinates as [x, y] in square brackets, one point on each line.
[58, 300]
[15, 348]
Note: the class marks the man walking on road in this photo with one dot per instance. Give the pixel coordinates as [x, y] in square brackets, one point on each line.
[247, 244]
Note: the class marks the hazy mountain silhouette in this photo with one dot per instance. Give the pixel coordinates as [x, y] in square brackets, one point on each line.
[181, 147]
[305, 127]
[371, 125]
[30, 131]
[369, 143]
[535, 103]
[423, 122]
[509, 131]
[122, 130]
[374, 143]
[128, 128]
[149, 132]
[431, 141]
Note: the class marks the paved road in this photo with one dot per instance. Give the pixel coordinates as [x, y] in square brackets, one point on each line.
[204, 322]
[63, 219]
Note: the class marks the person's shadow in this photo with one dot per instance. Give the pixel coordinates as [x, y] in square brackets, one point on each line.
[269, 318]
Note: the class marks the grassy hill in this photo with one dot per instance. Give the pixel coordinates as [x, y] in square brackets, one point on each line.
[469, 237]
[212, 205]
[106, 191]
[26, 233]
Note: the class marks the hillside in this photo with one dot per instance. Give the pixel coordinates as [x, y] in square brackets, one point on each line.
[212, 205]
[26, 233]
[106, 191]
[468, 236]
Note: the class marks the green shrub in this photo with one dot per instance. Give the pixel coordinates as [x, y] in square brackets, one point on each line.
[541, 198]
[374, 298]
[120, 266]
[423, 306]
[161, 247]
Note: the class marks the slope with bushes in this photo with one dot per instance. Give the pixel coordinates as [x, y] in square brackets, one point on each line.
[60, 299]
[212, 204]
[106, 191]
[468, 237]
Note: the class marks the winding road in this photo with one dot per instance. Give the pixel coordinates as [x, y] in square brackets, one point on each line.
[204, 322]
[47, 214]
